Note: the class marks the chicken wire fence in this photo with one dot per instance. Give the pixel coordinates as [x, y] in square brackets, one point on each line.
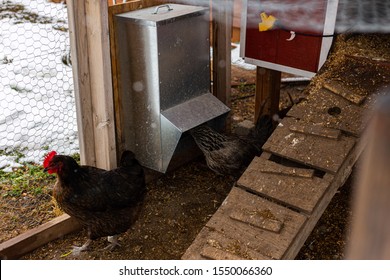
[37, 108]
[36, 85]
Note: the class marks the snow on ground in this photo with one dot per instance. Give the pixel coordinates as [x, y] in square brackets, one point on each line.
[239, 61]
[37, 108]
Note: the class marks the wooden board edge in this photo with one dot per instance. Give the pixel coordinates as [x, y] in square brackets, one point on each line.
[36, 237]
[338, 181]
[193, 251]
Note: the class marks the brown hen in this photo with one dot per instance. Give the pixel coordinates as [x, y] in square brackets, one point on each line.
[230, 154]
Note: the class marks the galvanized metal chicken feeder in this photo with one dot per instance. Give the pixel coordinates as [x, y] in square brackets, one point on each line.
[164, 62]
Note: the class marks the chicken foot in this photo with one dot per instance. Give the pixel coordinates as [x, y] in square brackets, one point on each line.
[77, 250]
[114, 242]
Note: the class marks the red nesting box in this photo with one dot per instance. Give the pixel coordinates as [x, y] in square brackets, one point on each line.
[292, 36]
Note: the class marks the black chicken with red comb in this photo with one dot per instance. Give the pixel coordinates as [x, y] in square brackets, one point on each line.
[106, 202]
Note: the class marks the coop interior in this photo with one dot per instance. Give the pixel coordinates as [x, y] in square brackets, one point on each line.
[160, 70]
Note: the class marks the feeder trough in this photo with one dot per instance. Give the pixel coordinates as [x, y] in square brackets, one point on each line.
[164, 85]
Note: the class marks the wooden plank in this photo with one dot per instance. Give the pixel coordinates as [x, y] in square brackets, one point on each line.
[317, 152]
[339, 88]
[218, 246]
[370, 229]
[82, 80]
[278, 169]
[268, 243]
[316, 130]
[89, 31]
[330, 110]
[260, 219]
[213, 253]
[264, 246]
[336, 181]
[267, 91]
[296, 192]
[36, 237]
[101, 84]
[210, 244]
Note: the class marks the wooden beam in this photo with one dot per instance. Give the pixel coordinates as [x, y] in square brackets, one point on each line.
[89, 35]
[221, 43]
[81, 78]
[112, 11]
[267, 91]
[36, 237]
[370, 230]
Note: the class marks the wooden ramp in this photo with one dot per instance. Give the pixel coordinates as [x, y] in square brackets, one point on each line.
[278, 200]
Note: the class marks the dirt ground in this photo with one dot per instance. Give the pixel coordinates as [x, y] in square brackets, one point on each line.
[177, 205]
[181, 202]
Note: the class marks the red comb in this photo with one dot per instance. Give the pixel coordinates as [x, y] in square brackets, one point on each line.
[48, 158]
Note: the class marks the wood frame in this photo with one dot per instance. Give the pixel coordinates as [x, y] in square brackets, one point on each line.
[92, 79]
[36, 237]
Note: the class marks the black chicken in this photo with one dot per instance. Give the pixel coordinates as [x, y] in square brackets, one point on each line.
[106, 202]
[230, 155]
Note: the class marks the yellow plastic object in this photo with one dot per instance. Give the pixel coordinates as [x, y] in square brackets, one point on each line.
[267, 22]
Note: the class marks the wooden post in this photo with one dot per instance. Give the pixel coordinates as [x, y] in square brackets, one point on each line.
[112, 11]
[221, 43]
[267, 91]
[90, 45]
[370, 235]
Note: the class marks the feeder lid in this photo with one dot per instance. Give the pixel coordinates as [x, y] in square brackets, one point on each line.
[163, 14]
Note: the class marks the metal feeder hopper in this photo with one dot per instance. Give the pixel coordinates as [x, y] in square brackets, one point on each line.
[164, 64]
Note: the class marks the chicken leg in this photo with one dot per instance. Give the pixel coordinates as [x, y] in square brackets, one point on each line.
[114, 242]
[77, 250]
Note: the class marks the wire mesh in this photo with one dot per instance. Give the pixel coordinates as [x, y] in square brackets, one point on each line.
[37, 108]
[366, 16]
